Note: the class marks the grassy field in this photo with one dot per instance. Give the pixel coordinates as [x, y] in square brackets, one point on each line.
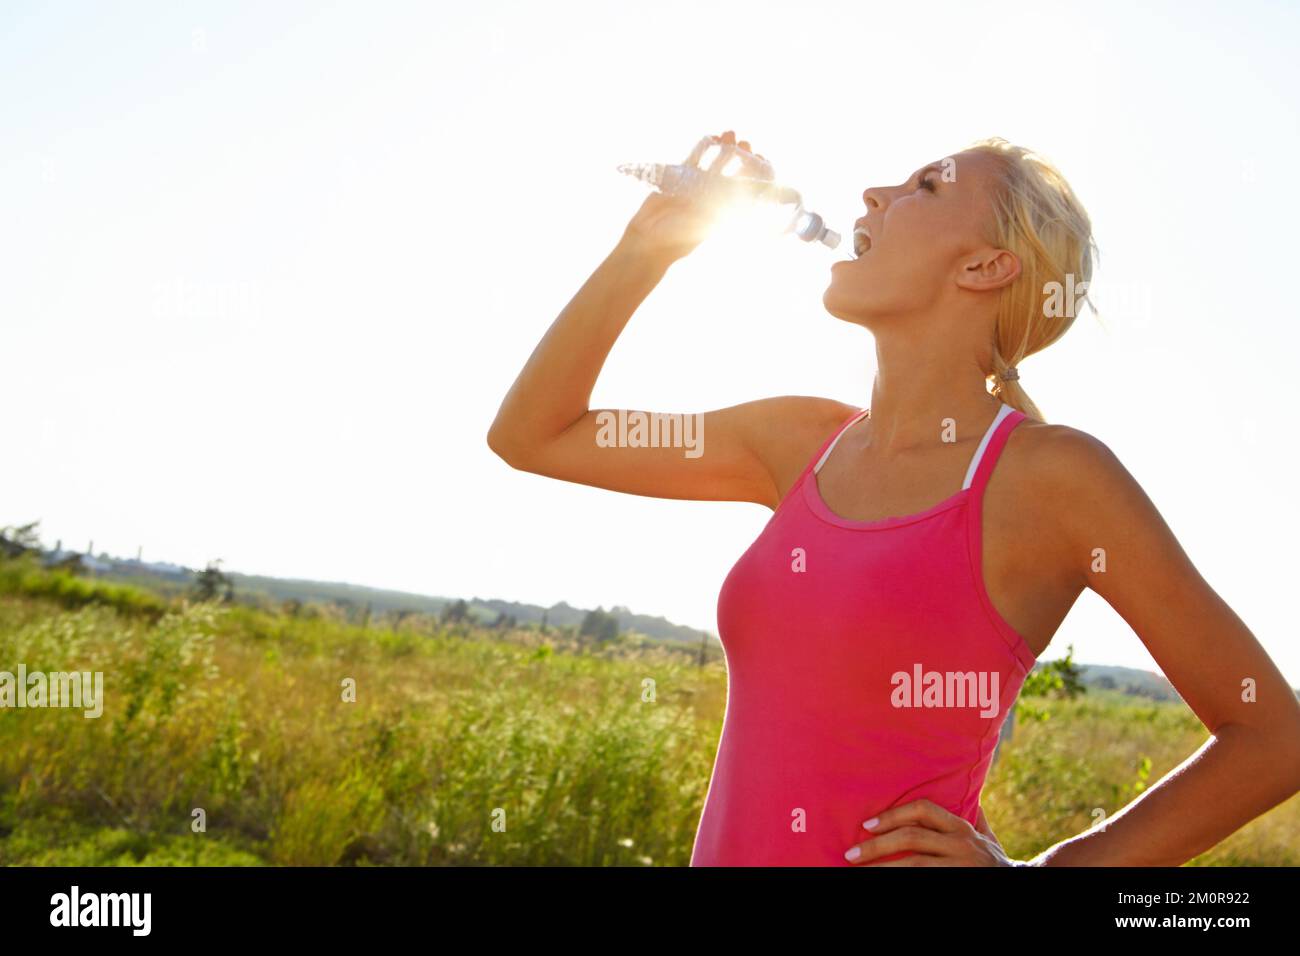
[462, 746]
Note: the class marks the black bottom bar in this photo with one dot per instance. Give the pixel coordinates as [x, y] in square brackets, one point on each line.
[464, 905]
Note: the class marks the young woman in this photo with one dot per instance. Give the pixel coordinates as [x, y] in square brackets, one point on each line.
[923, 550]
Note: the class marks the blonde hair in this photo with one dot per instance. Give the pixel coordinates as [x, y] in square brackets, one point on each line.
[1038, 218]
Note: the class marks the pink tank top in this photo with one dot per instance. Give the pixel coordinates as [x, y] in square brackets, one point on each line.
[866, 667]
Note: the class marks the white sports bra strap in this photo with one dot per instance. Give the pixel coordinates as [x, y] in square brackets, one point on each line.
[1003, 412]
[826, 454]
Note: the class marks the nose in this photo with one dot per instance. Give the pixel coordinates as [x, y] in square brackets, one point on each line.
[874, 198]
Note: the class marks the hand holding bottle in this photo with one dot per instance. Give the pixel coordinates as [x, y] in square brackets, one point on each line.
[668, 226]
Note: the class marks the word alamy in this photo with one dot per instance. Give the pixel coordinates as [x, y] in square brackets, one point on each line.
[58, 689]
[946, 689]
[102, 909]
[651, 430]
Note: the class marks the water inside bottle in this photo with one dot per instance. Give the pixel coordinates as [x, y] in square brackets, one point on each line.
[744, 186]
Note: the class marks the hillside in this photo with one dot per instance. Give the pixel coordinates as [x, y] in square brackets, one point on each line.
[267, 592]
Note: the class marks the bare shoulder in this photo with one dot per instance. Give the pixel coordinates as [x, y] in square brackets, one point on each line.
[797, 420]
[1053, 458]
[785, 431]
[1068, 480]
[1055, 489]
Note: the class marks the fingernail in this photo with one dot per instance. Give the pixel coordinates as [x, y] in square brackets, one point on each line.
[853, 853]
[868, 824]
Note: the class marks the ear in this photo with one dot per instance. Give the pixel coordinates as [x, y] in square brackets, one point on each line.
[988, 269]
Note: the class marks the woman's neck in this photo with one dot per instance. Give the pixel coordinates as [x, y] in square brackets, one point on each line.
[916, 393]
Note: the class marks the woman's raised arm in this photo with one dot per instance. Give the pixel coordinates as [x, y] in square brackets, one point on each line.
[747, 452]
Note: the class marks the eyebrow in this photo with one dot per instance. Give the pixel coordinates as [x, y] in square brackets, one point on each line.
[920, 173]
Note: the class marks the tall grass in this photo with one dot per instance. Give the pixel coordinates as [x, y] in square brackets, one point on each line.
[69, 591]
[462, 747]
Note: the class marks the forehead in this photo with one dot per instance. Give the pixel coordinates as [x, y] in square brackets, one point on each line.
[972, 164]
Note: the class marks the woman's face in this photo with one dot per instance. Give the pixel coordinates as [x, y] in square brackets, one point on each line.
[929, 243]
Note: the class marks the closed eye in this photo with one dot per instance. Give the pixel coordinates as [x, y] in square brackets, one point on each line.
[926, 183]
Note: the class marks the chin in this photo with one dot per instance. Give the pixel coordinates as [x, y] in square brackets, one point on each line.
[828, 303]
[859, 314]
[833, 301]
[852, 318]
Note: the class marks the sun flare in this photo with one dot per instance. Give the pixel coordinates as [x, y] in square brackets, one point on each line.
[747, 225]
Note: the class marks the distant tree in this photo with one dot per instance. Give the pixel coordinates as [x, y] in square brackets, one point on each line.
[544, 618]
[1060, 678]
[599, 624]
[211, 582]
[72, 564]
[291, 608]
[504, 621]
[455, 612]
[19, 539]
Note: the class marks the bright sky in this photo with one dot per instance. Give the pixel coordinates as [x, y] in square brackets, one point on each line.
[271, 268]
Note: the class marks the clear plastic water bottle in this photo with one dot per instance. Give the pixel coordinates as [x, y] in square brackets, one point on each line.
[691, 179]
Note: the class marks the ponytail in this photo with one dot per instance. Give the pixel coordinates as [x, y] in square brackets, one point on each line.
[1038, 218]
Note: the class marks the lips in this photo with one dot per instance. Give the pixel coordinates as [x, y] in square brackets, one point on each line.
[861, 241]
